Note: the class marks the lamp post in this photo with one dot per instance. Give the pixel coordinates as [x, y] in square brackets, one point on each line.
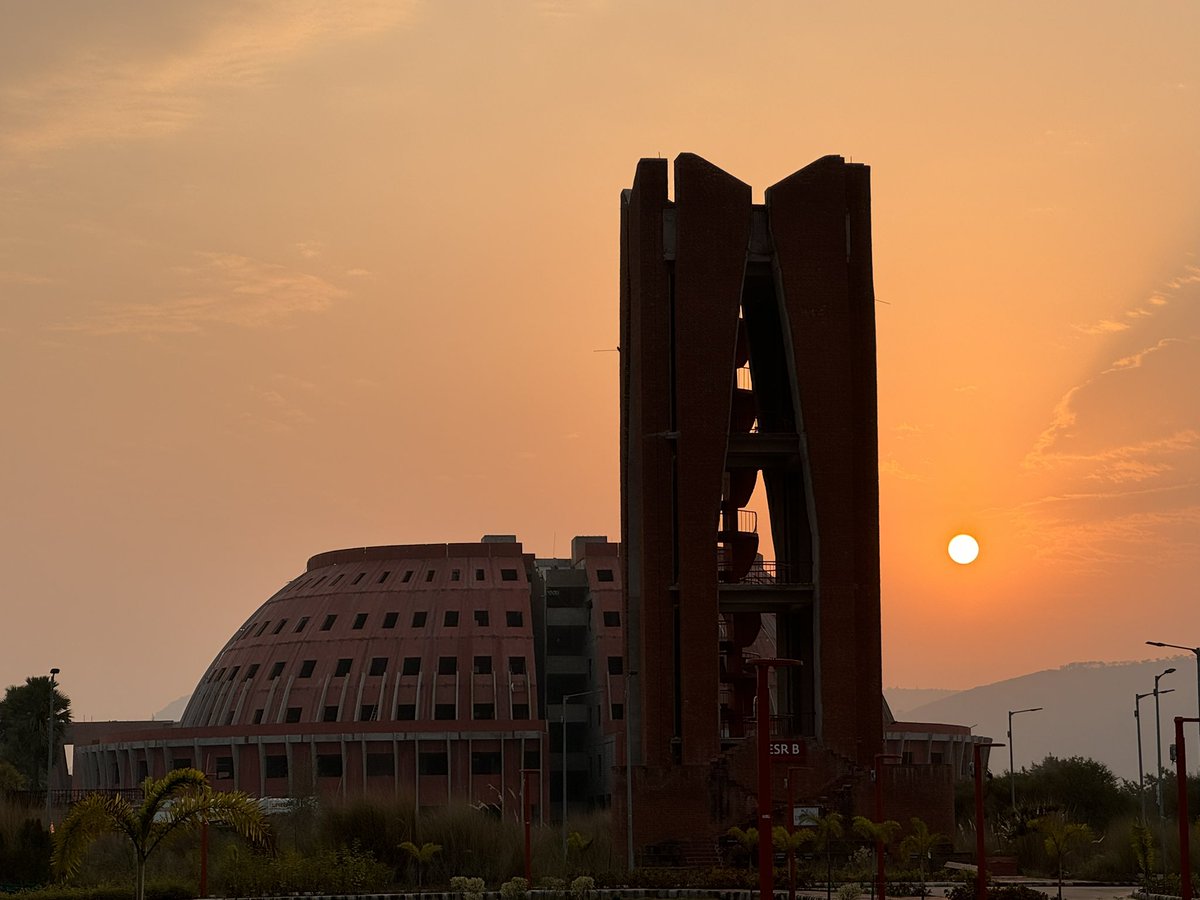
[1137, 720]
[527, 819]
[980, 846]
[1185, 825]
[1162, 817]
[50, 749]
[878, 775]
[766, 864]
[1012, 772]
[1195, 650]
[567, 698]
[791, 827]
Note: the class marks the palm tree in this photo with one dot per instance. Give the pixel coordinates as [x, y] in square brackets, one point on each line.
[878, 834]
[789, 843]
[921, 842]
[1062, 838]
[748, 839]
[181, 800]
[826, 829]
[421, 856]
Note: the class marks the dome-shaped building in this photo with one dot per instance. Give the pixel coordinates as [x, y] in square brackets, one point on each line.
[392, 669]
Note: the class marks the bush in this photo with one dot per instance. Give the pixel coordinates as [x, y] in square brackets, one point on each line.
[582, 887]
[514, 889]
[470, 888]
[341, 871]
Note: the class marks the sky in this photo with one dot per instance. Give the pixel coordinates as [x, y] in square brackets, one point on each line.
[283, 277]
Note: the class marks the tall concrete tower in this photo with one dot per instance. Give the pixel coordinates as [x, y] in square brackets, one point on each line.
[747, 362]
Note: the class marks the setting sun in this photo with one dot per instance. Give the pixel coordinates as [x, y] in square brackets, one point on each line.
[963, 549]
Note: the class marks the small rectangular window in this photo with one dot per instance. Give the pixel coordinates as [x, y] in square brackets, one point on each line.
[533, 758]
[478, 577]
[618, 711]
[293, 714]
[343, 668]
[366, 712]
[258, 714]
[232, 675]
[612, 619]
[384, 577]
[357, 578]
[485, 762]
[224, 766]
[516, 666]
[389, 621]
[336, 580]
[250, 673]
[405, 712]
[481, 618]
[381, 764]
[276, 671]
[429, 574]
[306, 668]
[278, 628]
[378, 666]
[406, 579]
[360, 620]
[449, 620]
[275, 767]
[434, 763]
[418, 621]
[514, 618]
[329, 620]
[479, 711]
[616, 666]
[520, 710]
[508, 574]
[317, 583]
[482, 666]
[330, 714]
[447, 665]
[261, 629]
[443, 711]
[300, 625]
[455, 575]
[329, 765]
[604, 574]
[412, 666]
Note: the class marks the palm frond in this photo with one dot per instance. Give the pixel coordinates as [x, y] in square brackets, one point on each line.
[91, 817]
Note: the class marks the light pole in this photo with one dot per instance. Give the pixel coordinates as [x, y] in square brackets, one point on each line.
[50, 750]
[1012, 772]
[766, 862]
[1162, 817]
[1195, 650]
[1185, 822]
[527, 818]
[878, 774]
[791, 827]
[567, 698]
[980, 846]
[1137, 721]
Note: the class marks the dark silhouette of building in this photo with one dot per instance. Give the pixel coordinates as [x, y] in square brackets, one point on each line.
[748, 360]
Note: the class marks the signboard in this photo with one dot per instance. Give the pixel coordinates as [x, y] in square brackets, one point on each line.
[805, 815]
[792, 750]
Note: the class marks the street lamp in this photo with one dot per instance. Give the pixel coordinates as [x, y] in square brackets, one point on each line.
[980, 846]
[878, 776]
[1195, 650]
[1137, 720]
[562, 718]
[50, 750]
[1162, 816]
[1012, 772]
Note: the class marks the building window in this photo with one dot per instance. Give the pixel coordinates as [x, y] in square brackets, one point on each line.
[330, 714]
[183, 762]
[258, 714]
[533, 758]
[428, 577]
[329, 765]
[366, 712]
[360, 620]
[520, 710]
[378, 666]
[384, 577]
[516, 666]
[278, 628]
[299, 625]
[407, 576]
[478, 577]
[478, 711]
[306, 668]
[447, 665]
[508, 574]
[481, 619]
[431, 763]
[418, 621]
[336, 580]
[343, 668]
[618, 711]
[224, 766]
[604, 574]
[261, 629]
[449, 620]
[250, 672]
[935, 757]
[276, 671]
[612, 619]
[482, 666]
[455, 575]
[485, 762]
[357, 578]
[317, 583]
[293, 714]
[445, 711]
[232, 674]
[329, 620]
[275, 767]
[514, 618]
[381, 764]
[405, 712]
[616, 665]
[390, 619]
[412, 666]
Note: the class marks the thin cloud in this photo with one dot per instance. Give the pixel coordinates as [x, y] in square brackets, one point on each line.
[230, 290]
[1104, 326]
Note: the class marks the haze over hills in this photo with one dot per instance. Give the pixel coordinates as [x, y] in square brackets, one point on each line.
[1088, 711]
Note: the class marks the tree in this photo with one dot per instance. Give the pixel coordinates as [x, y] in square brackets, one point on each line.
[1141, 840]
[11, 778]
[920, 842]
[877, 834]
[748, 839]
[789, 843]
[1062, 838]
[180, 801]
[824, 831]
[421, 856]
[24, 719]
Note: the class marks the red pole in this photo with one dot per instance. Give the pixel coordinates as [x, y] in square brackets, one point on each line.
[766, 864]
[880, 876]
[980, 849]
[791, 829]
[1185, 850]
[204, 858]
[528, 817]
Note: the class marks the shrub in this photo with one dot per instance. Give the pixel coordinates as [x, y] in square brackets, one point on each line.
[470, 888]
[514, 889]
[582, 887]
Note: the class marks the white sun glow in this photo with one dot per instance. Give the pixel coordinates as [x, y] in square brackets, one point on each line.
[963, 549]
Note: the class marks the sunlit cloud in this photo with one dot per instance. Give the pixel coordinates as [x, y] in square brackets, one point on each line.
[1104, 326]
[228, 290]
[309, 249]
[906, 429]
[893, 469]
[1135, 360]
[358, 273]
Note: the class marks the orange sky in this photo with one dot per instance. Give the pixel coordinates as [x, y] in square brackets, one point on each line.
[277, 278]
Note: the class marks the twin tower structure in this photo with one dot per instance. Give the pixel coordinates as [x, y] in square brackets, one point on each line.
[748, 369]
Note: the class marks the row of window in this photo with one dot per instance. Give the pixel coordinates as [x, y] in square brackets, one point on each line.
[407, 578]
[405, 712]
[513, 618]
[447, 665]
